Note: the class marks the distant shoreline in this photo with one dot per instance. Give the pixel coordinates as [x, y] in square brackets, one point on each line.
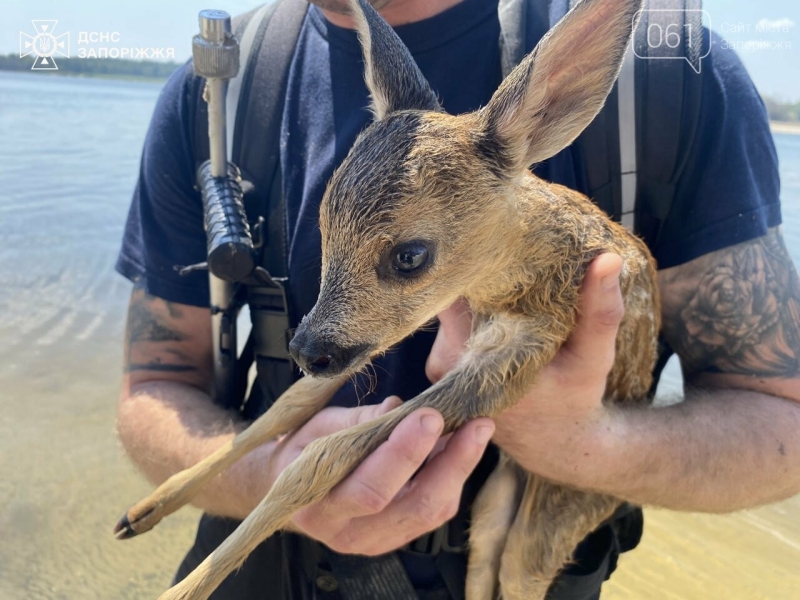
[108, 76]
[786, 127]
[155, 72]
[107, 68]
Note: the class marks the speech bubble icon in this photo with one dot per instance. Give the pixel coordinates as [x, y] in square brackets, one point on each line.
[672, 34]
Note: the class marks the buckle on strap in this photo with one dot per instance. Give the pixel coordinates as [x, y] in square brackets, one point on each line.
[269, 313]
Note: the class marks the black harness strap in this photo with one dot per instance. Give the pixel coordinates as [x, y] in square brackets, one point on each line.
[668, 99]
[256, 150]
[258, 125]
[668, 115]
[369, 578]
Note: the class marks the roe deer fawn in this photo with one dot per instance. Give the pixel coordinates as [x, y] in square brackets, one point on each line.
[428, 208]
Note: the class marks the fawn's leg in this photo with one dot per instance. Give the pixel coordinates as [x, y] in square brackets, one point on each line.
[294, 407]
[321, 465]
[492, 515]
[503, 357]
[551, 521]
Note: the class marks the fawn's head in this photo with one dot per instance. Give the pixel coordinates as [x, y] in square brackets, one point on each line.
[422, 209]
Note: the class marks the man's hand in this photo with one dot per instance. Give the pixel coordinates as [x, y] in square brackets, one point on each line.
[566, 401]
[731, 445]
[379, 507]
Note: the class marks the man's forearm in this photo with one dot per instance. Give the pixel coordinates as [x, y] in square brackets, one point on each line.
[166, 427]
[719, 451]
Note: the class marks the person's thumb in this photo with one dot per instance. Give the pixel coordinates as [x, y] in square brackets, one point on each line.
[591, 346]
[455, 327]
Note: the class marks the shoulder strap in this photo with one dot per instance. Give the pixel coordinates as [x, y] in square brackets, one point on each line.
[631, 170]
[670, 101]
[255, 129]
[246, 29]
[257, 121]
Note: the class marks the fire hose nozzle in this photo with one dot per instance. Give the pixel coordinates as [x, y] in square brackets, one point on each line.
[215, 51]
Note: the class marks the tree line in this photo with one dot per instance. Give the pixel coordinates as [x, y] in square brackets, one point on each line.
[782, 111]
[95, 67]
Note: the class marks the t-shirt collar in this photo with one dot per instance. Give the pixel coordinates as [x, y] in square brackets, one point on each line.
[419, 37]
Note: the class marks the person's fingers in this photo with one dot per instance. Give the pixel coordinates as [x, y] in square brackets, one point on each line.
[335, 418]
[441, 444]
[374, 483]
[455, 327]
[326, 422]
[591, 346]
[430, 499]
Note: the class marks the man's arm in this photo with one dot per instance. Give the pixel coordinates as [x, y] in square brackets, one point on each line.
[733, 317]
[733, 444]
[166, 419]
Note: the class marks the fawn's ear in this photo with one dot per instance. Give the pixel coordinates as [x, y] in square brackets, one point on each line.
[393, 78]
[558, 89]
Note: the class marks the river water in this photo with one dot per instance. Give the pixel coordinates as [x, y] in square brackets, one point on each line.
[68, 162]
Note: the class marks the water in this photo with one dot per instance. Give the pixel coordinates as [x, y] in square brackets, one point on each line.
[68, 164]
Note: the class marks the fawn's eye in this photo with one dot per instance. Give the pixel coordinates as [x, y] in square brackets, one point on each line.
[409, 257]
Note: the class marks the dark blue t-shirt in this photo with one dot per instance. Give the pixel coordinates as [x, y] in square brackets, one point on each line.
[729, 192]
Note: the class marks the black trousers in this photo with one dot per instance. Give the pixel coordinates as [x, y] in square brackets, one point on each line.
[292, 567]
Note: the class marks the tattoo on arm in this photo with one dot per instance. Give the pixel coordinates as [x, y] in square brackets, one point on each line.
[739, 311]
[147, 325]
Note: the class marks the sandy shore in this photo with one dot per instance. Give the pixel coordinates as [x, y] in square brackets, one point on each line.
[785, 127]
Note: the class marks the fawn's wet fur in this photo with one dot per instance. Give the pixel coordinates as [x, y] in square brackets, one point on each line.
[514, 246]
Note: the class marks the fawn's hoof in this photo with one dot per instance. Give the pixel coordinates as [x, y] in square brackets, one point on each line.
[131, 525]
[123, 529]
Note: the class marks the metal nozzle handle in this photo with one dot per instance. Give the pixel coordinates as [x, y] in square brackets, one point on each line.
[215, 52]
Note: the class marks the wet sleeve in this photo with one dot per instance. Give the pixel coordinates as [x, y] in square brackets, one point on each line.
[164, 230]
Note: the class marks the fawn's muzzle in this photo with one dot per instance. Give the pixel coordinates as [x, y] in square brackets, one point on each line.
[323, 358]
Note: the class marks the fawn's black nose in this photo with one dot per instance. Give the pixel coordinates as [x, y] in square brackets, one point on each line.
[318, 357]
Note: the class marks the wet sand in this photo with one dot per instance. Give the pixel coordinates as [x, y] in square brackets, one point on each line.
[64, 482]
[752, 555]
[63, 478]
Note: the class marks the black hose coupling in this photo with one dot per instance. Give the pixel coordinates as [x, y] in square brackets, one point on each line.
[231, 255]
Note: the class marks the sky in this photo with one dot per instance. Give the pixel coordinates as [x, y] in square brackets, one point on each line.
[773, 62]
